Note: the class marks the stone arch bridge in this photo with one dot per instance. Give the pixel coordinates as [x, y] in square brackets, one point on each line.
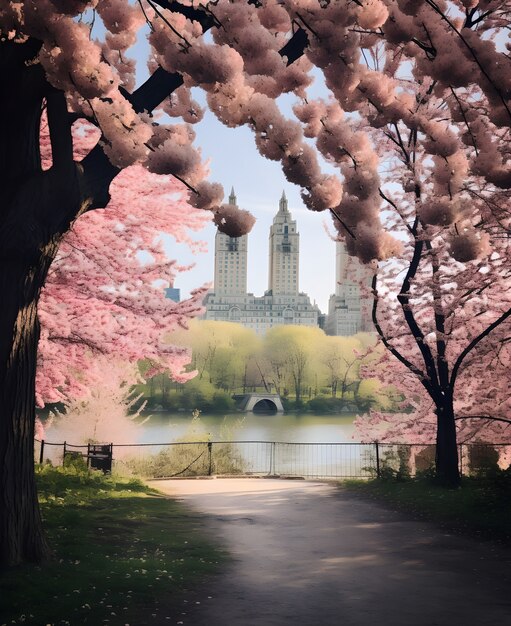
[259, 402]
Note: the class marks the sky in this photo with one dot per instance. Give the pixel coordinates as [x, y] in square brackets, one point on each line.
[258, 184]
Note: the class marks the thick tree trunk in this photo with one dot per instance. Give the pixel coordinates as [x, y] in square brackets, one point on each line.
[21, 275]
[36, 208]
[31, 230]
[21, 533]
[447, 468]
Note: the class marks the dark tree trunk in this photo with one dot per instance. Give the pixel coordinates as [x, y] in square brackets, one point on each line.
[30, 234]
[447, 468]
[21, 532]
[36, 208]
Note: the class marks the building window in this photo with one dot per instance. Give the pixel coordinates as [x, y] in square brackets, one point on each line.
[232, 245]
[288, 316]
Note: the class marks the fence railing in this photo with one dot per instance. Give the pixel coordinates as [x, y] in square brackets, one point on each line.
[271, 458]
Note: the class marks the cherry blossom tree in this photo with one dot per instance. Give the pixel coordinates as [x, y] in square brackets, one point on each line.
[415, 88]
[84, 419]
[442, 308]
[103, 307]
[105, 290]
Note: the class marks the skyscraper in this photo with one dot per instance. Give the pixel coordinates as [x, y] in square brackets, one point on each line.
[349, 309]
[230, 261]
[284, 253]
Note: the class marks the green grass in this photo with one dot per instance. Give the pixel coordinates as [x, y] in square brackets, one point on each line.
[123, 554]
[481, 506]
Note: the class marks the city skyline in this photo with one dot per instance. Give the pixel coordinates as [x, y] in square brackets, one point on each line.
[234, 160]
[317, 277]
[281, 303]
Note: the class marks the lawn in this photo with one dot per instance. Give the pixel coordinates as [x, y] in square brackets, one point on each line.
[123, 554]
[481, 506]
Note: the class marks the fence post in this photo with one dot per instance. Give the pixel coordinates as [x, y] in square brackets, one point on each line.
[88, 455]
[210, 455]
[64, 455]
[377, 447]
[41, 453]
[272, 459]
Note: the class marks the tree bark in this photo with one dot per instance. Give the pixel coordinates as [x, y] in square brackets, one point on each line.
[36, 209]
[447, 468]
[31, 228]
[21, 533]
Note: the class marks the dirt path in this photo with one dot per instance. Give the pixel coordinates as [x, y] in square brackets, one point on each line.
[308, 554]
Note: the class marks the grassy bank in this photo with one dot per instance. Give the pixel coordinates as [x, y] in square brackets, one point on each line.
[481, 506]
[123, 554]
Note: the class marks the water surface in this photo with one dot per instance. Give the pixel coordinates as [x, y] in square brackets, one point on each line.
[166, 427]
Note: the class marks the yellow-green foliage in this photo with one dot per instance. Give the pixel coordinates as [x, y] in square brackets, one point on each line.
[298, 362]
[371, 391]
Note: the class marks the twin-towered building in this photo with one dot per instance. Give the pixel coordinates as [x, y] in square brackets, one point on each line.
[282, 303]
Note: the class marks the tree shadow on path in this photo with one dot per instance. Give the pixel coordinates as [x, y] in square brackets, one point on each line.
[308, 553]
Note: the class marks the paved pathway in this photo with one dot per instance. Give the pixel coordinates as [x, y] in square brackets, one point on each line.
[309, 554]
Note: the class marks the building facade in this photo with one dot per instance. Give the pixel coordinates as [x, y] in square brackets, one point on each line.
[350, 308]
[282, 303]
[284, 253]
[173, 294]
[230, 261]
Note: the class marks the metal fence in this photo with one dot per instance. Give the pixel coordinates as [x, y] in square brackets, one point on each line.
[271, 458]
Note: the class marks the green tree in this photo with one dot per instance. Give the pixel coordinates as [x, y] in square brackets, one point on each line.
[221, 352]
[290, 355]
[342, 364]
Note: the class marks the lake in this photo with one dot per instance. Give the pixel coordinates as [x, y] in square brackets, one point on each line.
[300, 428]
[293, 454]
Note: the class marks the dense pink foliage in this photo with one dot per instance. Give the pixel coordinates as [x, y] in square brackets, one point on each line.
[382, 60]
[103, 297]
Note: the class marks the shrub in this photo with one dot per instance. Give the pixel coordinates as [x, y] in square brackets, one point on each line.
[320, 405]
[482, 459]
[222, 402]
[394, 462]
[425, 460]
[191, 455]
[75, 460]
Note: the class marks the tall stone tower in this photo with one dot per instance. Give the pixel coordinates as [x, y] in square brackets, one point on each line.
[349, 309]
[230, 261]
[349, 270]
[284, 253]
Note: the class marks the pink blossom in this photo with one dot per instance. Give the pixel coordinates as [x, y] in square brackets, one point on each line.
[233, 221]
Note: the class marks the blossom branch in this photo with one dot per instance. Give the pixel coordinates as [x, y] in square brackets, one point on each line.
[474, 343]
